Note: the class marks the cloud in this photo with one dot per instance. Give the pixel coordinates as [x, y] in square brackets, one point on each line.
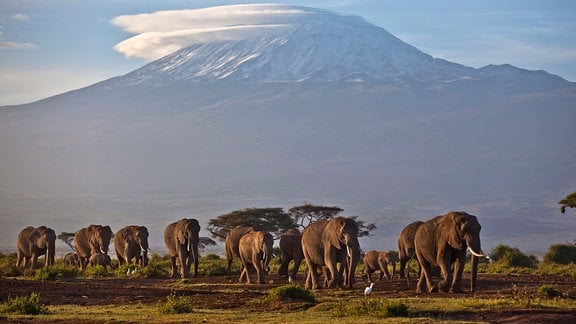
[14, 45]
[19, 17]
[163, 32]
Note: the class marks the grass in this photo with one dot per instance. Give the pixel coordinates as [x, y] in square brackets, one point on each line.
[175, 309]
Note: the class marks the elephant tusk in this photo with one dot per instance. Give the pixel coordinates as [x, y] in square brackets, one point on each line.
[348, 250]
[264, 256]
[102, 250]
[476, 254]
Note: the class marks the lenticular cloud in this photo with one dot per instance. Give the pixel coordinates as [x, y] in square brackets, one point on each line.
[163, 32]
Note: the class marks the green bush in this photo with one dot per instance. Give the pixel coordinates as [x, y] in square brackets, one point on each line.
[371, 307]
[176, 305]
[96, 271]
[550, 291]
[561, 254]
[289, 293]
[26, 305]
[8, 266]
[59, 271]
[512, 257]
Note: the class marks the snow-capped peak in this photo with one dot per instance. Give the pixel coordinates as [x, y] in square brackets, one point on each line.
[288, 43]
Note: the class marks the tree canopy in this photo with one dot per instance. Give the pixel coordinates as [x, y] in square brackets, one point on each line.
[67, 238]
[306, 214]
[569, 201]
[273, 220]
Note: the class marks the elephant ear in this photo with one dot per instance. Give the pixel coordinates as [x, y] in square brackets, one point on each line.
[449, 227]
[334, 229]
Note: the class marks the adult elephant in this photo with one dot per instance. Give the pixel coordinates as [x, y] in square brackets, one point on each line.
[182, 239]
[443, 241]
[406, 251]
[33, 243]
[290, 249]
[379, 260]
[72, 259]
[255, 250]
[131, 245]
[327, 243]
[232, 243]
[90, 240]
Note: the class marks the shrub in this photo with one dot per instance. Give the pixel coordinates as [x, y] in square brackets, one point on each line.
[96, 271]
[176, 305]
[561, 254]
[27, 305]
[372, 307]
[512, 257]
[550, 291]
[289, 293]
[8, 266]
[58, 271]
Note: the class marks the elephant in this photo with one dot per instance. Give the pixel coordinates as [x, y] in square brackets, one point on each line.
[182, 239]
[255, 249]
[379, 260]
[72, 259]
[131, 244]
[100, 259]
[34, 242]
[406, 250]
[232, 243]
[290, 249]
[442, 241]
[327, 243]
[91, 240]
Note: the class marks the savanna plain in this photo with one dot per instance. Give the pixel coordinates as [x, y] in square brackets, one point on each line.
[540, 294]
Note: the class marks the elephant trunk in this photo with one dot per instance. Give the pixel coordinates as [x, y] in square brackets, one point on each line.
[353, 249]
[474, 272]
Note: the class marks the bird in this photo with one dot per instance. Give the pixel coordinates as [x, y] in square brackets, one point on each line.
[128, 271]
[290, 280]
[134, 271]
[368, 290]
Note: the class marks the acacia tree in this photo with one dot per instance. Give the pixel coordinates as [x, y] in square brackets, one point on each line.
[273, 220]
[569, 201]
[67, 238]
[306, 214]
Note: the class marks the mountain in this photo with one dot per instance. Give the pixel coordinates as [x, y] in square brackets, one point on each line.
[318, 108]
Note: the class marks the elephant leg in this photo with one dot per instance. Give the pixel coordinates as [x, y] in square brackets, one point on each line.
[425, 279]
[369, 275]
[242, 275]
[296, 267]
[446, 281]
[403, 267]
[457, 280]
[33, 261]
[312, 278]
[173, 266]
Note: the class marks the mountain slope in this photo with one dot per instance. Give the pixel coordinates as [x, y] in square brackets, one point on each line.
[326, 109]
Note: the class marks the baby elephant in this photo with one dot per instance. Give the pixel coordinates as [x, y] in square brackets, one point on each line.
[100, 259]
[72, 259]
[375, 260]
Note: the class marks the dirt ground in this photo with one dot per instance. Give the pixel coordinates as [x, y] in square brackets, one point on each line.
[221, 292]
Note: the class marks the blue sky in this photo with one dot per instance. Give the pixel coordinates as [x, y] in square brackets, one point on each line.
[51, 46]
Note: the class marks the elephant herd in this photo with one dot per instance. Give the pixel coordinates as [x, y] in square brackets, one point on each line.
[329, 247]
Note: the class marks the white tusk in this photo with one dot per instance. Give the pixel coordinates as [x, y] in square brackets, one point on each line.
[480, 255]
[102, 251]
[263, 255]
[348, 250]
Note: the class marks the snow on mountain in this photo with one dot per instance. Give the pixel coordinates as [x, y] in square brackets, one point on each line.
[316, 45]
[320, 108]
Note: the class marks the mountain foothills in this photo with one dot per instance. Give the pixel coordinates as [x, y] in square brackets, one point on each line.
[315, 107]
